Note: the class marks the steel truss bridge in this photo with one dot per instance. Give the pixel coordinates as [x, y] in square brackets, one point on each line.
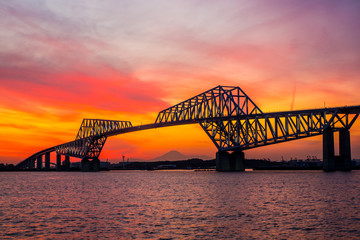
[231, 120]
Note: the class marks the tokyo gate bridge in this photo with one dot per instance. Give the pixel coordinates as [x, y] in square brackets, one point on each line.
[232, 121]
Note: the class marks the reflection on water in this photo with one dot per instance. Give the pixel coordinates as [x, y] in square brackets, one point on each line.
[180, 204]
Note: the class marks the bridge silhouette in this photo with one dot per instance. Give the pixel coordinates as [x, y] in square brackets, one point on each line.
[231, 120]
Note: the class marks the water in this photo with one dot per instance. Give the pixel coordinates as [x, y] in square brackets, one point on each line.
[180, 205]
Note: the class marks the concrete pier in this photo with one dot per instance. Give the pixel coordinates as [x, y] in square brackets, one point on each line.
[31, 164]
[47, 161]
[85, 165]
[344, 150]
[222, 161]
[58, 162]
[95, 165]
[90, 166]
[39, 162]
[332, 162]
[328, 150]
[66, 163]
[237, 158]
[226, 161]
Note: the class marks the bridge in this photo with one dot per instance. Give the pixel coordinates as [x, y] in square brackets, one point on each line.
[231, 120]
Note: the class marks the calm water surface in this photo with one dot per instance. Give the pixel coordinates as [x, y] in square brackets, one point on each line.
[180, 205]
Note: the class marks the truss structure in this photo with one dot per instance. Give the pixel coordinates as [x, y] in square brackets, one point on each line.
[218, 102]
[98, 127]
[227, 115]
[234, 122]
[245, 132]
[91, 138]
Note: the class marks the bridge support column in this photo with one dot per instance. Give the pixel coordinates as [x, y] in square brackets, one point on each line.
[90, 166]
[85, 165]
[95, 165]
[344, 150]
[332, 162]
[67, 163]
[238, 158]
[31, 164]
[39, 162]
[222, 161]
[230, 162]
[47, 161]
[58, 162]
[328, 150]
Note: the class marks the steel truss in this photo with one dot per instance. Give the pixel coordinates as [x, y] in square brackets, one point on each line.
[98, 127]
[245, 132]
[91, 138]
[221, 101]
[234, 122]
[227, 115]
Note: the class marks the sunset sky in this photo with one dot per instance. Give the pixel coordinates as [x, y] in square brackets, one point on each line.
[62, 61]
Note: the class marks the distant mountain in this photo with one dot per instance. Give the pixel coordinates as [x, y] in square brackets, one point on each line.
[176, 155]
[171, 156]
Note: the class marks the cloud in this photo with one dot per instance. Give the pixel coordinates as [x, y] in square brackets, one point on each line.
[130, 59]
[56, 66]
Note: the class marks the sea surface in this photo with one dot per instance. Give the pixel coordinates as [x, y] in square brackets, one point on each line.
[180, 205]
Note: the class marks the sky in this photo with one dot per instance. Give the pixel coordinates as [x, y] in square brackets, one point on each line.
[62, 61]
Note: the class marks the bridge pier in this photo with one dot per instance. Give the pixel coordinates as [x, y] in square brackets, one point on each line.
[344, 150]
[95, 165]
[39, 162]
[85, 165]
[66, 163]
[330, 161]
[31, 164]
[90, 166]
[47, 161]
[58, 162]
[328, 150]
[226, 161]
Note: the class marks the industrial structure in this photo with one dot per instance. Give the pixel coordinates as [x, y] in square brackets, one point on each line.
[232, 121]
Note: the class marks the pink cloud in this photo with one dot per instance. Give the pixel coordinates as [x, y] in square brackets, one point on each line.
[75, 91]
[62, 66]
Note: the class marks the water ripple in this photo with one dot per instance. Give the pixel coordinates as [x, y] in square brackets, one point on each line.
[180, 205]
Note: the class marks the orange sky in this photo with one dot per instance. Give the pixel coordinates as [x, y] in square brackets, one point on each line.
[128, 60]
